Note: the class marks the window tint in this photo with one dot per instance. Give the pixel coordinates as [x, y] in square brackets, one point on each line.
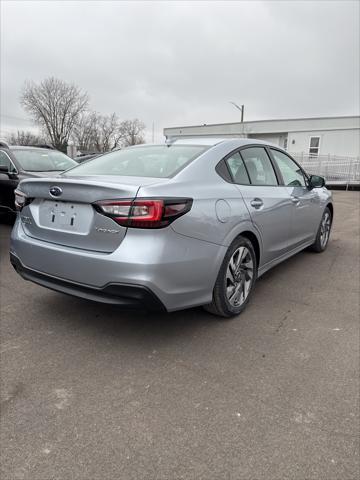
[237, 169]
[146, 161]
[4, 160]
[259, 166]
[37, 160]
[291, 172]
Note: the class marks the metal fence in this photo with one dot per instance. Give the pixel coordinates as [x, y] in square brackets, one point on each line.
[336, 170]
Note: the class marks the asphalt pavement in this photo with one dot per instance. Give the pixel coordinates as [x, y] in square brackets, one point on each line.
[94, 393]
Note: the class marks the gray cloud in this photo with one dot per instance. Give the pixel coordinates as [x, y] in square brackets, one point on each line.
[178, 63]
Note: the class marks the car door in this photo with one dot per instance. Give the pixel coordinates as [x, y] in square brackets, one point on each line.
[8, 182]
[268, 202]
[306, 208]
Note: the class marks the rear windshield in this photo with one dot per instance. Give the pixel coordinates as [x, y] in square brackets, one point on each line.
[43, 160]
[160, 161]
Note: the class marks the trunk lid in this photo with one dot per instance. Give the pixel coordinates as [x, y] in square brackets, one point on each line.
[70, 219]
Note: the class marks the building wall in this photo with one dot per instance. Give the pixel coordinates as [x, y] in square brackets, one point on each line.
[276, 138]
[338, 135]
[332, 142]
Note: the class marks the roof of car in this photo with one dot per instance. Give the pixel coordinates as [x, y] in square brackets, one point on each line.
[27, 147]
[211, 141]
[197, 141]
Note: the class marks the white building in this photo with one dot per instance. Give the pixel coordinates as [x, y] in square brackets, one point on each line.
[309, 137]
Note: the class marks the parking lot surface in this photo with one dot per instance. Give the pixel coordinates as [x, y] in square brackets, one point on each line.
[91, 392]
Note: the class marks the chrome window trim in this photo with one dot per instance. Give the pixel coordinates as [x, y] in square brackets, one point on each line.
[244, 147]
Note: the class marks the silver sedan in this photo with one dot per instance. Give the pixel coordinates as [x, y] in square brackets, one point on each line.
[192, 222]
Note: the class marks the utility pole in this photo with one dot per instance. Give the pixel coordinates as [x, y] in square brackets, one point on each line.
[241, 108]
[153, 132]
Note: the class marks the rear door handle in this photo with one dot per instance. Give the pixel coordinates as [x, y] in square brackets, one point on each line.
[295, 200]
[257, 203]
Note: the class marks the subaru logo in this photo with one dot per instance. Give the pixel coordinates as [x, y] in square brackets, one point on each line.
[55, 191]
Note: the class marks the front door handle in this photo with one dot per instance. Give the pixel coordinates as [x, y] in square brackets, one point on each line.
[295, 200]
[257, 203]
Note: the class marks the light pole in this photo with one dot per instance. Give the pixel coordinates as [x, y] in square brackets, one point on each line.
[241, 108]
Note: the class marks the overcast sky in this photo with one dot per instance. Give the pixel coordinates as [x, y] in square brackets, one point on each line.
[180, 63]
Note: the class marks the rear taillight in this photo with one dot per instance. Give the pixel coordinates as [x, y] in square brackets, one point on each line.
[144, 213]
[21, 200]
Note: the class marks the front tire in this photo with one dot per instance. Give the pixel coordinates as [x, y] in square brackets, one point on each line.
[323, 233]
[235, 280]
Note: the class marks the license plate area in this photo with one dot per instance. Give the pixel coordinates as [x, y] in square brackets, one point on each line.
[66, 216]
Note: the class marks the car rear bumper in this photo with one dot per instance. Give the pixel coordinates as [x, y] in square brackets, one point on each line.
[129, 296]
[179, 271]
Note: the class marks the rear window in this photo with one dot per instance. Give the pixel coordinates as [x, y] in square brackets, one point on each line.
[43, 160]
[159, 161]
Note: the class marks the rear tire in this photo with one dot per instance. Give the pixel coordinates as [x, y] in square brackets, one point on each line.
[7, 218]
[235, 281]
[323, 233]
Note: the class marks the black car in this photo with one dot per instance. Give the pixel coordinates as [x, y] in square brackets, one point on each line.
[19, 162]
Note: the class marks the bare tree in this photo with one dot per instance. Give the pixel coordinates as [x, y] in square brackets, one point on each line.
[22, 137]
[56, 106]
[108, 132]
[95, 132]
[132, 132]
[85, 132]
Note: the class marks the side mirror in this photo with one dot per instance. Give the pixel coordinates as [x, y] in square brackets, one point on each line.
[4, 169]
[316, 182]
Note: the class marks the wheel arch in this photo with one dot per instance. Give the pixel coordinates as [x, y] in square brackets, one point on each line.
[330, 206]
[253, 238]
[255, 243]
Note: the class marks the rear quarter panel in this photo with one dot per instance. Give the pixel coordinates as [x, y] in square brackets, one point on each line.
[218, 213]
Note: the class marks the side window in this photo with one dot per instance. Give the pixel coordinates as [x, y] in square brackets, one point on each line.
[292, 173]
[237, 169]
[259, 166]
[4, 160]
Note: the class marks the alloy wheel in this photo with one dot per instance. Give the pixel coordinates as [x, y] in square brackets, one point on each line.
[325, 229]
[239, 276]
